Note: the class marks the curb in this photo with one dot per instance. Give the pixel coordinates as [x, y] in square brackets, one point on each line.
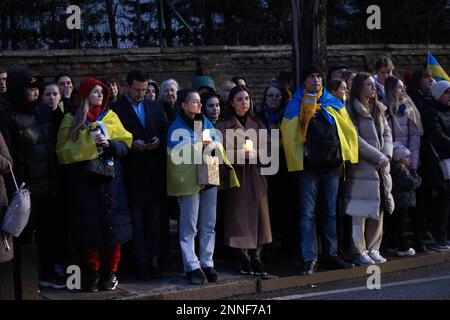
[207, 292]
[236, 288]
[354, 273]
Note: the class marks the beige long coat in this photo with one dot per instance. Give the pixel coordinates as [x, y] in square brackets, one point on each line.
[365, 186]
[4, 169]
[246, 212]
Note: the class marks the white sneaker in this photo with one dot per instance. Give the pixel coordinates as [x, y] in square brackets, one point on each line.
[363, 259]
[377, 257]
[407, 253]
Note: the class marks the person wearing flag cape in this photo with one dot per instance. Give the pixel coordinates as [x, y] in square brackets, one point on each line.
[188, 137]
[99, 216]
[318, 137]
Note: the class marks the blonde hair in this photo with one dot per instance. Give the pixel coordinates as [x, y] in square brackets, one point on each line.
[393, 104]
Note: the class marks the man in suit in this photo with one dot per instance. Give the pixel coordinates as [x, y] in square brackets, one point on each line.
[143, 169]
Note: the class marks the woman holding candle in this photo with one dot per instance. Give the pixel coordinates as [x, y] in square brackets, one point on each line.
[192, 132]
[247, 222]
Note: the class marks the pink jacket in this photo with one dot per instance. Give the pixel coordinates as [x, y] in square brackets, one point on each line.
[408, 134]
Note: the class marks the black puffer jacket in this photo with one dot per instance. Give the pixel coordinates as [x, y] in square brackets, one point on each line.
[30, 132]
[420, 100]
[404, 185]
[99, 214]
[436, 124]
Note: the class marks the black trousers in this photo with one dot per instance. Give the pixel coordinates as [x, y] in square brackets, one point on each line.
[395, 229]
[48, 227]
[440, 217]
[146, 231]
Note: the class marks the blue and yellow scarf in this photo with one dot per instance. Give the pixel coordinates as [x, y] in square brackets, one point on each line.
[333, 110]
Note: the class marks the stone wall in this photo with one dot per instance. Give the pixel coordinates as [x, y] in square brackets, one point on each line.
[258, 64]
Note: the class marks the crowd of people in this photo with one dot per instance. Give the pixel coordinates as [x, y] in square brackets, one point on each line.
[357, 157]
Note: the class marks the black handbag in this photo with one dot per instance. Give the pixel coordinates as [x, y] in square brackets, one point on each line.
[101, 168]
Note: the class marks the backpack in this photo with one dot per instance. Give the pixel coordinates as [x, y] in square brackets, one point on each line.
[323, 147]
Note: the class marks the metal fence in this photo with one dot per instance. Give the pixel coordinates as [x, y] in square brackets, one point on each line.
[44, 30]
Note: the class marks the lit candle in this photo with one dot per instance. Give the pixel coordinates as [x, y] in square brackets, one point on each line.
[206, 136]
[248, 147]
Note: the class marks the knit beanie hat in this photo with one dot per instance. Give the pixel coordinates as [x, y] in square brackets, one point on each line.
[309, 69]
[438, 89]
[85, 88]
[200, 82]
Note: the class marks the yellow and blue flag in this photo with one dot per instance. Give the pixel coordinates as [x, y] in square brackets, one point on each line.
[334, 111]
[182, 177]
[84, 148]
[436, 69]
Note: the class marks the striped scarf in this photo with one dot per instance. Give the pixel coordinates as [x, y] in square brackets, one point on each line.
[308, 108]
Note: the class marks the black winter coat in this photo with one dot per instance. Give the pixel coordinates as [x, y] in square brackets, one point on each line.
[404, 185]
[144, 171]
[99, 214]
[436, 124]
[30, 132]
[420, 101]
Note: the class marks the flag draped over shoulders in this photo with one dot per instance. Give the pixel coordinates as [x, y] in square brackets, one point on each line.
[436, 69]
[182, 176]
[84, 148]
[334, 111]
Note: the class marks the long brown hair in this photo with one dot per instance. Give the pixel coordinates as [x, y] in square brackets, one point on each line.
[375, 108]
[392, 101]
[233, 92]
[79, 119]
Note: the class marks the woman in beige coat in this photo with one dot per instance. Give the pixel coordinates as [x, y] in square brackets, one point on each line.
[6, 240]
[368, 183]
[6, 249]
[246, 212]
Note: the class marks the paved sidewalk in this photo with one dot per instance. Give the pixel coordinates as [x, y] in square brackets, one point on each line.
[283, 275]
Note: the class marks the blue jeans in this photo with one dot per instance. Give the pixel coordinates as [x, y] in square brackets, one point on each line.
[199, 207]
[318, 187]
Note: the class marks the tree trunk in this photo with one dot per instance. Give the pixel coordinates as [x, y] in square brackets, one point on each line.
[308, 38]
[112, 22]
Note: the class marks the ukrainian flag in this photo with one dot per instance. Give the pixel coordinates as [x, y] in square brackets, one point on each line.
[334, 111]
[84, 148]
[182, 177]
[436, 69]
